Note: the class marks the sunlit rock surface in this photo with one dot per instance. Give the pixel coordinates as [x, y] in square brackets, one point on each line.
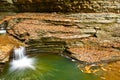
[7, 44]
[92, 39]
[85, 32]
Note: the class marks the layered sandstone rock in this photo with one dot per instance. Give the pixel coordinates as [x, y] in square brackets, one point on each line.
[7, 44]
[90, 34]
[77, 32]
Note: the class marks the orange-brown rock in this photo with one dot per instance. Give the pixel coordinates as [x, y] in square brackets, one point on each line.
[112, 71]
[94, 56]
[7, 44]
[80, 33]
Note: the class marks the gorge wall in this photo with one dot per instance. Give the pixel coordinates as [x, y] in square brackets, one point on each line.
[60, 6]
[95, 31]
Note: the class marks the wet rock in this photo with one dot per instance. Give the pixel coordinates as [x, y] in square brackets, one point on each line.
[5, 53]
[7, 44]
[112, 69]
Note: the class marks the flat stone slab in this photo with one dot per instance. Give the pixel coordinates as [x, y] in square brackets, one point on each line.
[93, 55]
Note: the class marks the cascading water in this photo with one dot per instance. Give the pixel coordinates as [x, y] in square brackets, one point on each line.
[42, 67]
[20, 61]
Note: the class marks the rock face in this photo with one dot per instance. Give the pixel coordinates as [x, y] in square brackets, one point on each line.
[36, 5]
[60, 5]
[92, 38]
[7, 44]
[46, 45]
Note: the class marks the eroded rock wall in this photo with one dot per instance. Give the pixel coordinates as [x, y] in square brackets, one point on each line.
[6, 6]
[93, 38]
[61, 5]
[91, 5]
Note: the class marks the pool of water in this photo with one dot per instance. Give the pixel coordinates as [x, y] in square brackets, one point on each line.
[49, 67]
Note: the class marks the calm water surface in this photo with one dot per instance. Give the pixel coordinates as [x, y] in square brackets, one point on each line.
[49, 67]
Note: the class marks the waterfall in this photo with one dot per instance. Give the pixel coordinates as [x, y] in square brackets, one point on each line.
[19, 53]
[21, 61]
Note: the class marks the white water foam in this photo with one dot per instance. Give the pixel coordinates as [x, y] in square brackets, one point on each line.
[20, 61]
[2, 31]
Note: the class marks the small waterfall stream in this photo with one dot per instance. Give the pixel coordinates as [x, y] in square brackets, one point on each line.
[20, 60]
[19, 53]
[42, 66]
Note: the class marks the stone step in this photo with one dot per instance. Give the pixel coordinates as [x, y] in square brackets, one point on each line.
[39, 48]
[46, 46]
[45, 50]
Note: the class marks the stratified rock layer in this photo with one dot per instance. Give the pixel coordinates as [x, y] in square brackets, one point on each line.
[7, 44]
[92, 6]
[91, 38]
